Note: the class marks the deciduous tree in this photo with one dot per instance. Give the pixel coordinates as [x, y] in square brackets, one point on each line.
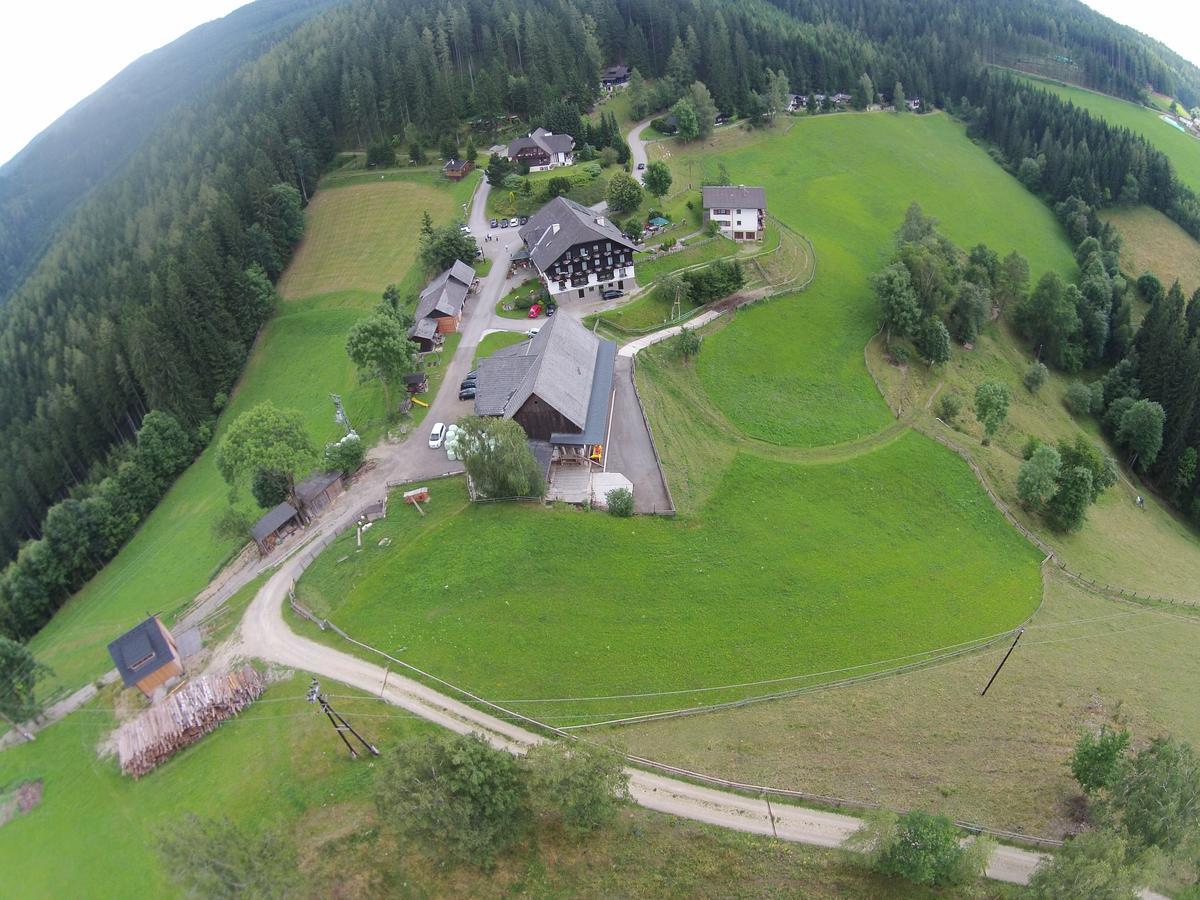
[265, 437]
[496, 455]
[1037, 479]
[657, 178]
[624, 193]
[216, 858]
[380, 347]
[991, 407]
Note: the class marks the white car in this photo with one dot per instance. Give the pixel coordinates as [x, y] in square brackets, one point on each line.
[437, 435]
[514, 222]
[533, 331]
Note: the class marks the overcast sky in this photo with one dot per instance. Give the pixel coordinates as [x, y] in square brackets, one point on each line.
[53, 54]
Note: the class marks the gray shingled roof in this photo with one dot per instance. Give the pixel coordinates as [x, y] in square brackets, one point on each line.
[560, 365]
[734, 196]
[138, 643]
[446, 293]
[423, 328]
[546, 140]
[272, 520]
[576, 224]
[315, 485]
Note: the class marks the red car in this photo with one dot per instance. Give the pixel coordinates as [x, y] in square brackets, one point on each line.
[535, 310]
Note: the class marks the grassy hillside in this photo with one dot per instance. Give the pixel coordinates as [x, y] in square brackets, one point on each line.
[1153, 243]
[792, 371]
[928, 739]
[358, 239]
[563, 603]
[279, 765]
[1182, 149]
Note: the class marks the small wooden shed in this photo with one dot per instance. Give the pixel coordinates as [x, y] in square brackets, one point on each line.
[274, 527]
[316, 492]
[146, 656]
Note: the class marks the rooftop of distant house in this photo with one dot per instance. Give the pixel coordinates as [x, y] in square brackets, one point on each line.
[733, 196]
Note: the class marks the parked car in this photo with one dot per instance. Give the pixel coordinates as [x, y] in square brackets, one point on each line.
[535, 310]
[514, 222]
[641, 166]
[551, 310]
[612, 294]
[437, 435]
[467, 393]
[472, 375]
[532, 332]
[495, 223]
[465, 228]
[468, 382]
[504, 223]
[524, 219]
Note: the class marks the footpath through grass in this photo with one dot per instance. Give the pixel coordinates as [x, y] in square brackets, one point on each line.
[789, 570]
[792, 371]
[357, 239]
[1181, 149]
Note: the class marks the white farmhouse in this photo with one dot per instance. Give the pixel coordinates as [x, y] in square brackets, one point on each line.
[740, 212]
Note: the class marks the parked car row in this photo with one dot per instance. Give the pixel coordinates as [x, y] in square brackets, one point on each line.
[514, 222]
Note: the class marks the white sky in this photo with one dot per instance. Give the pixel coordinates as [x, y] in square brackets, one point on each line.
[53, 54]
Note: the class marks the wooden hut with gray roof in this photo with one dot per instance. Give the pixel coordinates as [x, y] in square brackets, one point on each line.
[558, 386]
[440, 306]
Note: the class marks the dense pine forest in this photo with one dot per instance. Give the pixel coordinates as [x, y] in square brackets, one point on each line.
[153, 292]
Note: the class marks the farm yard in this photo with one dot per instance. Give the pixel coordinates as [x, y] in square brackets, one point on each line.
[358, 238]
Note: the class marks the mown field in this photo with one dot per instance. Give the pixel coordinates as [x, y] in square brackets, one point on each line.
[358, 239]
[1153, 243]
[519, 602]
[792, 371]
[927, 739]
[279, 765]
[1182, 149]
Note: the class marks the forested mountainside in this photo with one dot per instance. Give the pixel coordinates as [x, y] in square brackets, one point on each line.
[151, 294]
[1103, 54]
[96, 136]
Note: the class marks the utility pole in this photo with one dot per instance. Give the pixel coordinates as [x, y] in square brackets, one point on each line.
[340, 725]
[771, 815]
[1020, 631]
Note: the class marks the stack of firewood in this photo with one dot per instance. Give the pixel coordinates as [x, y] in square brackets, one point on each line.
[184, 717]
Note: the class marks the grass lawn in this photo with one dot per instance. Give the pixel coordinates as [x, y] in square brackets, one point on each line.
[792, 371]
[647, 269]
[1181, 149]
[526, 288]
[502, 202]
[927, 739]
[279, 765]
[1153, 243]
[747, 590]
[358, 239]
[497, 340]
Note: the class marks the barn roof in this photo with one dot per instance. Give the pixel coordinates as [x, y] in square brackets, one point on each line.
[563, 223]
[565, 365]
[315, 485]
[141, 651]
[445, 295]
[272, 520]
[739, 197]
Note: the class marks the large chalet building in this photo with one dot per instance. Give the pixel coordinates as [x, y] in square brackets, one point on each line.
[739, 212]
[542, 150]
[578, 252]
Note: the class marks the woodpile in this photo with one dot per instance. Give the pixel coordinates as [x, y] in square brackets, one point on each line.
[184, 717]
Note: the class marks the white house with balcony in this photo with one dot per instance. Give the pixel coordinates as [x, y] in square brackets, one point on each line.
[739, 212]
[578, 252]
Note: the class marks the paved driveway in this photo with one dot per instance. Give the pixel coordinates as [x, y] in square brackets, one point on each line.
[630, 451]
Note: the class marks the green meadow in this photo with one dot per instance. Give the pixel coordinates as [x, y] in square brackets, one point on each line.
[1181, 148]
[787, 570]
[358, 238]
[792, 371]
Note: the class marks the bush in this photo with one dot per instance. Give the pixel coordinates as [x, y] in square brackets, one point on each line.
[456, 795]
[900, 354]
[686, 344]
[1097, 759]
[580, 785]
[620, 502]
[921, 848]
[216, 858]
[949, 406]
[1035, 377]
[345, 455]
[1079, 398]
[1090, 865]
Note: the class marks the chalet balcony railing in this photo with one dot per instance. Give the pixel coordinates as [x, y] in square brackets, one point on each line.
[579, 282]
